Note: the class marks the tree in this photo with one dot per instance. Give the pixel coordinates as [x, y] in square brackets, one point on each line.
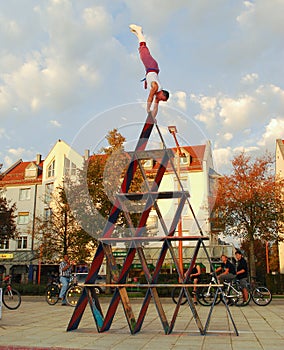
[62, 234]
[97, 187]
[7, 220]
[249, 204]
[7, 217]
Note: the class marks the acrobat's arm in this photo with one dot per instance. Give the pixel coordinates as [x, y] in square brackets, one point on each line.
[153, 91]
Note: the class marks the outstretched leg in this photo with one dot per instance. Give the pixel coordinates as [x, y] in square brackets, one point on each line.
[149, 62]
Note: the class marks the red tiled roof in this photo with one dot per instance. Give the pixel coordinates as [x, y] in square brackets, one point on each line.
[16, 176]
[196, 152]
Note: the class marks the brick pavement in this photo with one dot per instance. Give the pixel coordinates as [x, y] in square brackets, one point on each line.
[37, 325]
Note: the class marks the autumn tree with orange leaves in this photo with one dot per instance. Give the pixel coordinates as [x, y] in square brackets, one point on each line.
[248, 202]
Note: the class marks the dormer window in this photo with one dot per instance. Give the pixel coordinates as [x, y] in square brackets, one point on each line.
[31, 171]
[51, 169]
[148, 163]
[184, 160]
[184, 157]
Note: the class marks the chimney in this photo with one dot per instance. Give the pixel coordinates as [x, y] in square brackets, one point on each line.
[38, 159]
[87, 154]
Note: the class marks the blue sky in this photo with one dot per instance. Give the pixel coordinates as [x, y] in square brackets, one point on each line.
[70, 70]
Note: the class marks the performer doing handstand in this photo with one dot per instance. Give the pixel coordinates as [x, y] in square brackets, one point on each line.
[152, 82]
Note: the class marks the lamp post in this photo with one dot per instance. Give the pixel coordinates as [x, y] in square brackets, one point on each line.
[173, 131]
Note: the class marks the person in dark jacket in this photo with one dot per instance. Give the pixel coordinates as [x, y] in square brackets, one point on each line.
[228, 270]
[242, 273]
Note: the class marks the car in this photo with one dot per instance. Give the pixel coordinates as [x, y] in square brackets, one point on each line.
[101, 279]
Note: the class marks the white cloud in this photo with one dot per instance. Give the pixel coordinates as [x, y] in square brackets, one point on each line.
[72, 58]
[17, 151]
[55, 123]
[98, 19]
[178, 99]
[228, 136]
[241, 149]
[274, 130]
[222, 158]
[250, 78]
[8, 161]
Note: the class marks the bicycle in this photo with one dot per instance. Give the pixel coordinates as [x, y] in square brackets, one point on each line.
[11, 298]
[233, 294]
[175, 293]
[73, 292]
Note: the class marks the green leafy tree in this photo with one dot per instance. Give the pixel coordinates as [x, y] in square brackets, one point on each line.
[62, 234]
[7, 220]
[248, 203]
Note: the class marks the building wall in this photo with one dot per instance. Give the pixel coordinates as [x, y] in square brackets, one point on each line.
[279, 169]
[197, 184]
[35, 206]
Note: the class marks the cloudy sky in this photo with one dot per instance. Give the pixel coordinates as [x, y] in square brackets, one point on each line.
[70, 70]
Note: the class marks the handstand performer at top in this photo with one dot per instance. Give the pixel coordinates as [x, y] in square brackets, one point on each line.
[152, 82]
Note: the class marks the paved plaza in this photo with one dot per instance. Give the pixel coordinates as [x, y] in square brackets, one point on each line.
[38, 325]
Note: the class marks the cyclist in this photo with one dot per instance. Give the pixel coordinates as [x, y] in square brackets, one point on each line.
[228, 270]
[65, 272]
[242, 273]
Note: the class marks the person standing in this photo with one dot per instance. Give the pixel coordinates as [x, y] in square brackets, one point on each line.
[152, 82]
[195, 275]
[242, 273]
[65, 272]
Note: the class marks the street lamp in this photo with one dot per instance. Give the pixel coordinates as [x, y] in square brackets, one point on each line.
[173, 131]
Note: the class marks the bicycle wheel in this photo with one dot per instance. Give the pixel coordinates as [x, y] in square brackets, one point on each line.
[175, 295]
[206, 296]
[52, 294]
[73, 295]
[11, 298]
[261, 296]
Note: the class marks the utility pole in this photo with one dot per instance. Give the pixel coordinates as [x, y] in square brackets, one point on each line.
[173, 131]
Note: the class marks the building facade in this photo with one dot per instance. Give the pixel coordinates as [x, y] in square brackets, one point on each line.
[31, 184]
[279, 169]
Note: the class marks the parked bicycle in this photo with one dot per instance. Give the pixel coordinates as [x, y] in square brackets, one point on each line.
[232, 293]
[73, 293]
[175, 293]
[11, 298]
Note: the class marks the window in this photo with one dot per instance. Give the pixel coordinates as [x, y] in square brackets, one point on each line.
[183, 160]
[25, 194]
[47, 214]
[69, 167]
[31, 171]
[48, 192]
[51, 169]
[23, 218]
[148, 163]
[4, 244]
[22, 242]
